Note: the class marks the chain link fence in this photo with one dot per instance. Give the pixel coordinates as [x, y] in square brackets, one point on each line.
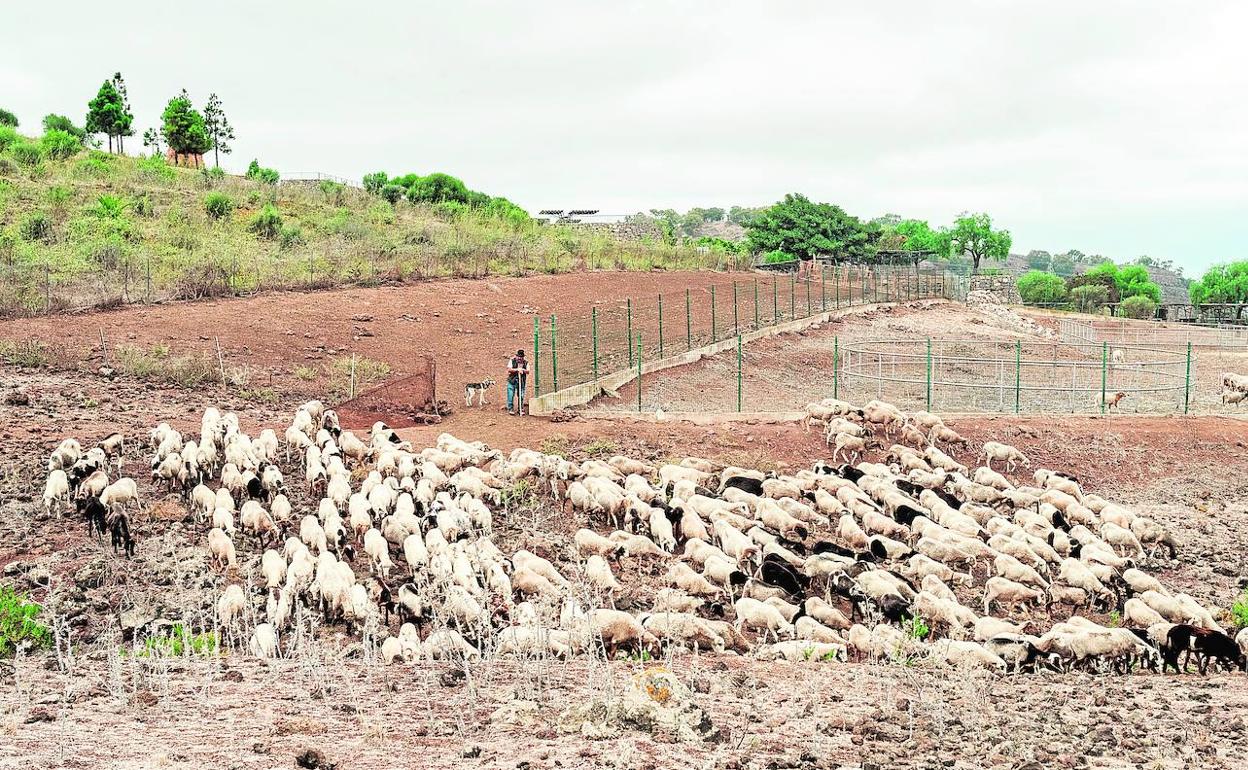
[1156, 333]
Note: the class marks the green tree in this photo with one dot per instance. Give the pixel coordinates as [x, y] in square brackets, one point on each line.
[61, 123]
[1039, 260]
[918, 235]
[800, 227]
[104, 112]
[374, 182]
[124, 124]
[393, 192]
[1139, 306]
[261, 174]
[739, 215]
[1221, 283]
[1039, 287]
[217, 126]
[152, 138]
[1089, 298]
[1134, 281]
[7, 118]
[972, 235]
[437, 188]
[1063, 265]
[183, 127]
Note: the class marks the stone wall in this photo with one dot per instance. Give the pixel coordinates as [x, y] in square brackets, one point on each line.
[625, 231]
[1001, 286]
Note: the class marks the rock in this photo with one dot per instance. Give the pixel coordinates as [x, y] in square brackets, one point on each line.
[91, 574]
[516, 712]
[472, 752]
[136, 617]
[14, 567]
[656, 702]
[17, 397]
[39, 577]
[312, 759]
[40, 714]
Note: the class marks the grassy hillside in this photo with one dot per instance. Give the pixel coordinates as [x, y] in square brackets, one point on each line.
[100, 229]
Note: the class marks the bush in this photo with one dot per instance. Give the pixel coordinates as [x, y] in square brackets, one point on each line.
[156, 167]
[218, 205]
[7, 118]
[92, 166]
[333, 191]
[54, 122]
[261, 174]
[36, 227]
[59, 145]
[777, 256]
[1038, 286]
[1138, 306]
[291, 236]
[8, 136]
[1089, 298]
[26, 153]
[393, 193]
[267, 223]
[1239, 611]
[210, 175]
[374, 182]
[19, 623]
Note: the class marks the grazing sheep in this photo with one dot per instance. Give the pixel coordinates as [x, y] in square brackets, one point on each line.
[221, 548]
[263, 642]
[56, 491]
[1114, 399]
[1010, 594]
[957, 653]
[122, 491]
[994, 450]
[618, 630]
[599, 575]
[230, 605]
[762, 616]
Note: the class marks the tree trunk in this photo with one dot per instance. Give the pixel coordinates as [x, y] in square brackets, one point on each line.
[216, 156]
[974, 263]
[110, 143]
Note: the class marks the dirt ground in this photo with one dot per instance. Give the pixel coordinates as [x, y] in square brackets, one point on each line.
[1191, 473]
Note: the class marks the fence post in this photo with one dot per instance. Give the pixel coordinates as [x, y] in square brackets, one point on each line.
[823, 287]
[738, 372]
[1104, 370]
[736, 323]
[792, 296]
[554, 356]
[593, 315]
[660, 326]
[688, 322]
[836, 284]
[1018, 373]
[836, 366]
[149, 279]
[756, 303]
[628, 328]
[639, 357]
[808, 295]
[775, 300]
[1187, 378]
[537, 355]
[714, 336]
[929, 374]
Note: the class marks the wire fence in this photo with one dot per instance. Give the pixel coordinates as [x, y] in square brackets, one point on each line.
[621, 335]
[1156, 333]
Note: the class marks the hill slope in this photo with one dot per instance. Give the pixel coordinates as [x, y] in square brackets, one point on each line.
[99, 229]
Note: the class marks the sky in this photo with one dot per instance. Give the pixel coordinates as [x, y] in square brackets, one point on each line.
[1116, 127]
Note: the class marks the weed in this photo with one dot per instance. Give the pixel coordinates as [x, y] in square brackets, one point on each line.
[601, 447]
[306, 373]
[157, 364]
[1115, 619]
[1239, 611]
[218, 205]
[916, 628]
[19, 623]
[155, 167]
[260, 395]
[177, 642]
[367, 373]
[30, 354]
[555, 444]
[267, 223]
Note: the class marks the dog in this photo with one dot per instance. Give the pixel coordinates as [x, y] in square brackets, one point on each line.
[477, 389]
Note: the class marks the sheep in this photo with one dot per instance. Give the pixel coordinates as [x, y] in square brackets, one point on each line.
[1119, 537]
[943, 434]
[852, 446]
[598, 573]
[56, 491]
[589, 542]
[312, 534]
[662, 532]
[943, 461]
[65, 455]
[801, 650]
[919, 566]
[957, 653]
[724, 571]
[1150, 532]
[682, 576]
[378, 551]
[616, 629]
[994, 450]
[230, 605]
[1112, 400]
[988, 627]
[883, 414]
[760, 615]
[221, 548]
[1009, 593]
[991, 478]
[526, 560]
[825, 613]
[670, 474]
[683, 628]
[263, 642]
[122, 491]
[1076, 574]
[1137, 614]
[1008, 567]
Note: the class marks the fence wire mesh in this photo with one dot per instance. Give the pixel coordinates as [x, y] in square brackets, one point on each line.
[1118, 331]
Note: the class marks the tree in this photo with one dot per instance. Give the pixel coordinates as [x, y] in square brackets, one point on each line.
[1063, 265]
[1127, 281]
[152, 138]
[1039, 260]
[800, 227]
[1139, 306]
[104, 112]
[973, 236]
[217, 126]
[1221, 283]
[7, 118]
[124, 124]
[183, 127]
[918, 235]
[437, 188]
[1039, 287]
[55, 122]
[739, 215]
[374, 182]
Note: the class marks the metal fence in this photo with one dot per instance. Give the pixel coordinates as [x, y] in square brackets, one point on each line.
[620, 335]
[1157, 333]
[1003, 376]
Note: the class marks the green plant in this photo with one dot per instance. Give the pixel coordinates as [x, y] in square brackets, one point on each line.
[291, 236]
[260, 174]
[555, 444]
[306, 373]
[1239, 611]
[211, 175]
[260, 395]
[156, 167]
[601, 447]
[178, 641]
[142, 205]
[183, 127]
[218, 205]
[777, 257]
[109, 113]
[59, 145]
[1089, 298]
[1220, 283]
[333, 191]
[374, 182]
[8, 119]
[8, 135]
[217, 127]
[58, 196]
[29, 354]
[19, 623]
[1039, 287]
[1115, 619]
[54, 122]
[267, 223]
[803, 228]
[110, 207]
[36, 227]
[159, 365]
[916, 628]
[1138, 306]
[26, 153]
[393, 193]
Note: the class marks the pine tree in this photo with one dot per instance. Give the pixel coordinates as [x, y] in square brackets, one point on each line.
[124, 125]
[183, 127]
[218, 127]
[103, 112]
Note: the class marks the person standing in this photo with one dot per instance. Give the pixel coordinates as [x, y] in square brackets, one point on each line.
[517, 378]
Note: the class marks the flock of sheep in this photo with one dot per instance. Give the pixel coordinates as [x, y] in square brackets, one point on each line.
[903, 559]
[1234, 388]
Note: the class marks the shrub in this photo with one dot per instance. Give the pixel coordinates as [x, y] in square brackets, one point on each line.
[92, 166]
[19, 623]
[54, 122]
[59, 145]
[156, 167]
[26, 153]
[1239, 611]
[1038, 286]
[333, 191]
[36, 227]
[158, 365]
[142, 205]
[110, 207]
[1095, 279]
[218, 205]
[1138, 306]
[210, 175]
[267, 223]
[393, 193]
[774, 257]
[58, 196]
[291, 236]
[602, 447]
[1089, 298]
[178, 641]
[261, 174]
[8, 136]
[7, 118]
[374, 182]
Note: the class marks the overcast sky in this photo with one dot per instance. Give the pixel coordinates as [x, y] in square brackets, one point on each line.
[1118, 128]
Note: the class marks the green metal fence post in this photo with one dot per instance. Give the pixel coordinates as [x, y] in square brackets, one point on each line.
[1018, 373]
[1104, 370]
[836, 284]
[554, 355]
[660, 326]
[537, 356]
[823, 287]
[736, 326]
[628, 328]
[594, 319]
[639, 357]
[1187, 378]
[688, 322]
[738, 372]
[714, 337]
[929, 374]
[756, 324]
[836, 367]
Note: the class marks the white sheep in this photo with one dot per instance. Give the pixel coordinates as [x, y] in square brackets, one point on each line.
[56, 491]
[994, 450]
[221, 547]
[263, 642]
[752, 613]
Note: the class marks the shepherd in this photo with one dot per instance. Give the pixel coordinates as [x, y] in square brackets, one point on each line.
[517, 377]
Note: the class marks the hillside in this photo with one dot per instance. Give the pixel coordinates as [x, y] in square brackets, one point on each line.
[97, 229]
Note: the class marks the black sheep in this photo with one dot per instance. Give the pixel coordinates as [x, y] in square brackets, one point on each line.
[745, 484]
[909, 487]
[779, 573]
[827, 546]
[94, 512]
[849, 473]
[895, 608]
[950, 500]
[823, 468]
[906, 514]
[119, 531]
